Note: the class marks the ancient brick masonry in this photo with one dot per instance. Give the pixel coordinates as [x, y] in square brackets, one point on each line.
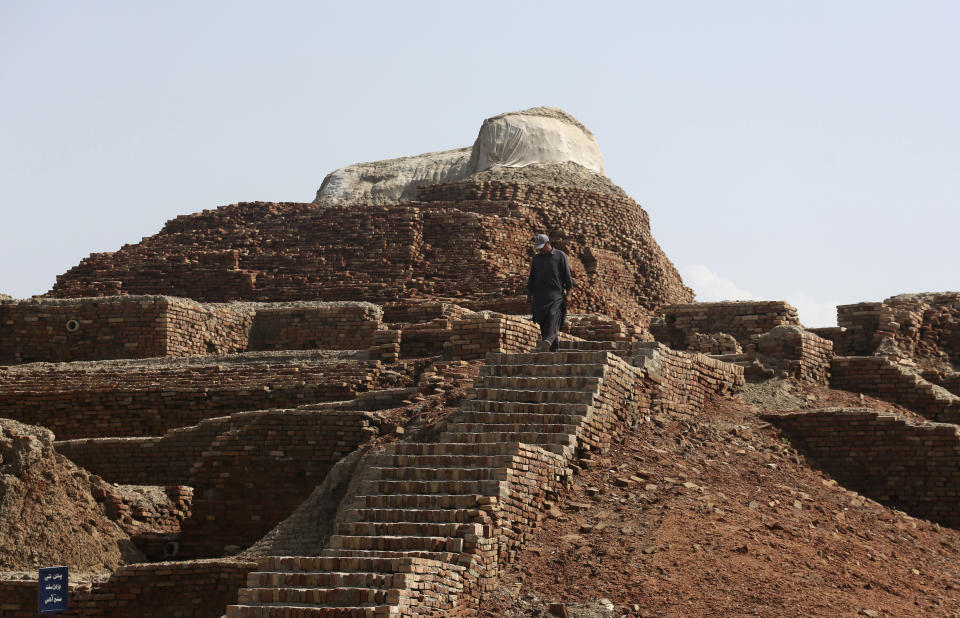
[279, 456]
[908, 465]
[885, 379]
[472, 337]
[741, 319]
[63, 330]
[93, 329]
[797, 353]
[463, 503]
[158, 590]
[275, 252]
[126, 400]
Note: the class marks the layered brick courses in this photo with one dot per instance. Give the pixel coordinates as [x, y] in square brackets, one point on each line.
[64, 330]
[478, 334]
[473, 252]
[131, 400]
[198, 589]
[680, 381]
[909, 465]
[949, 380]
[742, 319]
[253, 476]
[791, 351]
[887, 380]
[106, 328]
[469, 498]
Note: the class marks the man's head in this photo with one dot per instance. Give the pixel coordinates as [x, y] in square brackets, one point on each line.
[541, 243]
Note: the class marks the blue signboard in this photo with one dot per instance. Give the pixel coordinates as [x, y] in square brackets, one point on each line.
[53, 590]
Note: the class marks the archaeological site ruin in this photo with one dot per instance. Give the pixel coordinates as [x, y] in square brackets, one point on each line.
[334, 408]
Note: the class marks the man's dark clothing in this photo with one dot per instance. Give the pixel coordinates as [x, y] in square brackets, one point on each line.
[548, 285]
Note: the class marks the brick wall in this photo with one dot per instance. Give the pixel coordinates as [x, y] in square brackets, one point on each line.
[287, 251]
[681, 382]
[253, 476]
[911, 466]
[742, 319]
[476, 335]
[797, 353]
[198, 589]
[884, 379]
[130, 400]
[313, 326]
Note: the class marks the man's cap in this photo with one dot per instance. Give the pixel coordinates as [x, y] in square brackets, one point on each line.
[540, 241]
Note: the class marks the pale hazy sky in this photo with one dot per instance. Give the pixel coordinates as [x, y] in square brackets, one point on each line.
[805, 151]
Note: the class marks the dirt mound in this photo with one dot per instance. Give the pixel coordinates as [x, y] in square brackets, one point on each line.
[567, 174]
[716, 514]
[48, 515]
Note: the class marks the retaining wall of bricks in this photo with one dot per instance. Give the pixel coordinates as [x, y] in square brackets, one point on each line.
[884, 379]
[199, 589]
[680, 381]
[911, 466]
[148, 401]
[315, 326]
[252, 477]
[476, 335]
[797, 353]
[742, 319]
[949, 380]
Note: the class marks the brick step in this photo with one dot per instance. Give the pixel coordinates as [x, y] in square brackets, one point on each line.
[543, 371]
[528, 437]
[409, 473]
[450, 558]
[442, 461]
[402, 543]
[420, 501]
[534, 396]
[318, 564]
[287, 610]
[590, 346]
[486, 487]
[539, 383]
[335, 579]
[521, 407]
[523, 418]
[549, 358]
[533, 426]
[455, 448]
[433, 516]
[407, 528]
[350, 597]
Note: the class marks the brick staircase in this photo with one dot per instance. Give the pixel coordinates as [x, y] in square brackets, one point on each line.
[431, 523]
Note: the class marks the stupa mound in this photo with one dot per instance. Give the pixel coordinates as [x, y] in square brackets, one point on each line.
[467, 241]
[536, 136]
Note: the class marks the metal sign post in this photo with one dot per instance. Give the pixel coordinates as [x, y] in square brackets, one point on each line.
[53, 595]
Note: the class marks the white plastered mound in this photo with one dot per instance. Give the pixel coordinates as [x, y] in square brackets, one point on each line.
[540, 135]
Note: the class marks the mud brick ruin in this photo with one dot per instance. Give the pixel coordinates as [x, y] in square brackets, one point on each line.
[334, 409]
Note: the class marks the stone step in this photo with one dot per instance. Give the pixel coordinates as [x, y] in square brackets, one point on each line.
[543, 371]
[350, 597]
[420, 501]
[472, 417]
[317, 564]
[486, 487]
[401, 543]
[409, 473]
[287, 610]
[549, 358]
[433, 516]
[534, 396]
[533, 426]
[539, 383]
[527, 437]
[407, 528]
[335, 579]
[442, 461]
[456, 448]
[521, 407]
[450, 558]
